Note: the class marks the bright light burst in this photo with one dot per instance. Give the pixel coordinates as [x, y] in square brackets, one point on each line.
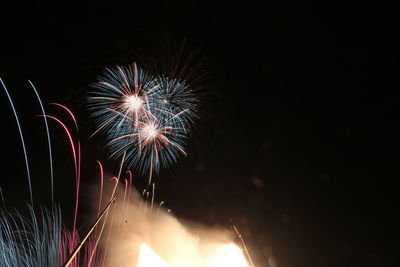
[133, 103]
[226, 255]
[148, 257]
[145, 117]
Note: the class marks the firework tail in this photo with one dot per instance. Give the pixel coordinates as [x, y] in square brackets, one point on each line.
[108, 234]
[129, 193]
[77, 157]
[91, 248]
[113, 195]
[78, 248]
[76, 164]
[48, 140]
[239, 235]
[2, 198]
[22, 140]
[101, 186]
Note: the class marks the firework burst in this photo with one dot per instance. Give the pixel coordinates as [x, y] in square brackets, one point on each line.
[146, 117]
[119, 96]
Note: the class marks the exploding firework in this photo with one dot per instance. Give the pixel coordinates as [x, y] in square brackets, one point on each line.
[145, 117]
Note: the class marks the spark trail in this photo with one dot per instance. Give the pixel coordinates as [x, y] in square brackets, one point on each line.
[22, 140]
[48, 141]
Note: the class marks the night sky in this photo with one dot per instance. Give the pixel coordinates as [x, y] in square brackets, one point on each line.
[299, 148]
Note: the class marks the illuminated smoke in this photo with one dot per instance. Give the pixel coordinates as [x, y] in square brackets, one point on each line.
[140, 233]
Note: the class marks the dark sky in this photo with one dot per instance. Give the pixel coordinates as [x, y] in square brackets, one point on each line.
[301, 150]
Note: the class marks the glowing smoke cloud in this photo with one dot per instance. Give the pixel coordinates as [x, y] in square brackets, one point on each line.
[143, 235]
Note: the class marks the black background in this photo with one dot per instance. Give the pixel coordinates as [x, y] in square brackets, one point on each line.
[301, 149]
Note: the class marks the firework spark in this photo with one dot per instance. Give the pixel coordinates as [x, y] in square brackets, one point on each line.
[146, 117]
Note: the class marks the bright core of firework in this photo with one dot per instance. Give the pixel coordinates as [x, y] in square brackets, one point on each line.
[133, 102]
[150, 131]
[225, 255]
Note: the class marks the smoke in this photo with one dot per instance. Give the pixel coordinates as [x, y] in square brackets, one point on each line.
[133, 221]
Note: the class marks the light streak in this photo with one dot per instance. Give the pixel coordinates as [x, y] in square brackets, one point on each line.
[22, 140]
[76, 157]
[48, 141]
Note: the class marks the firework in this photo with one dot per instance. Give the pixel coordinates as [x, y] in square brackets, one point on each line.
[146, 117]
[146, 120]
[173, 102]
[31, 242]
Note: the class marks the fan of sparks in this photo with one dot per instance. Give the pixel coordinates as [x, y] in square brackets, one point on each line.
[147, 118]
